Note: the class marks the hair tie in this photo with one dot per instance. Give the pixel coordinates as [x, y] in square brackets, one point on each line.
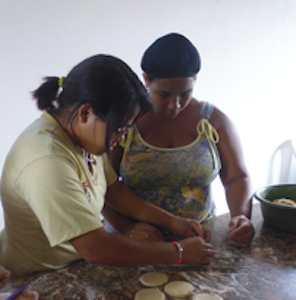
[61, 81]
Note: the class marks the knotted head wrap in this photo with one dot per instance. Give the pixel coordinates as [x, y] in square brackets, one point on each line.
[171, 56]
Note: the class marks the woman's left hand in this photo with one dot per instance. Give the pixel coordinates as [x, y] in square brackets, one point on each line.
[182, 227]
[241, 231]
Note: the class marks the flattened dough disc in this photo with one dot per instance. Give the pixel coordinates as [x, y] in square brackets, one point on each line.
[178, 289]
[153, 279]
[150, 294]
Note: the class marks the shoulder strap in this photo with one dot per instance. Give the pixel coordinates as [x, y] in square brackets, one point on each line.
[127, 143]
[205, 110]
[205, 128]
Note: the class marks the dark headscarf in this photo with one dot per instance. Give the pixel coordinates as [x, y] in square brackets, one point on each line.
[171, 56]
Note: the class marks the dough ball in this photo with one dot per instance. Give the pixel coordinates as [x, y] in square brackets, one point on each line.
[178, 289]
[153, 279]
[150, 294]
[207, 296]
[284, 201]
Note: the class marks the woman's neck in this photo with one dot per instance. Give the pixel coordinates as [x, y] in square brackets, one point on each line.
[68, 127]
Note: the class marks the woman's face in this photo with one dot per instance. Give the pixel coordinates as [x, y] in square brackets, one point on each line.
[172, 95]
[90, 131]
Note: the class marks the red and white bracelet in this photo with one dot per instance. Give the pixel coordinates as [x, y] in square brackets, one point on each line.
[180, 252]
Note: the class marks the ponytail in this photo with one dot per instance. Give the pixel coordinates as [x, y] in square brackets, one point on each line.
[47, 93]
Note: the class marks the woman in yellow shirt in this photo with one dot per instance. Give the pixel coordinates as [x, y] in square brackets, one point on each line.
[57, 177]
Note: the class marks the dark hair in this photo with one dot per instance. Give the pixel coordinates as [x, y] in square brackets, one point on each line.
[105, 82]
[171, 56]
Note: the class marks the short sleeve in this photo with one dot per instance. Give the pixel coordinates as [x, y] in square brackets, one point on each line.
[52, 188]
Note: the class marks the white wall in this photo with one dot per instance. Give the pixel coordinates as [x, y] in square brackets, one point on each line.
[247, 48]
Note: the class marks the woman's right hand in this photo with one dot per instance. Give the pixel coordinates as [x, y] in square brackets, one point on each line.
[183, 227]
[197, 251]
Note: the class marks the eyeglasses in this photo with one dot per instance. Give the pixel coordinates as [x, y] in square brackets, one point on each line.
[123, 130]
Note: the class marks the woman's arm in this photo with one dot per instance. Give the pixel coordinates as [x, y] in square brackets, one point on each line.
[118, 221]
[132, 228]
[125, 201]
[235, 178]
[115, 249]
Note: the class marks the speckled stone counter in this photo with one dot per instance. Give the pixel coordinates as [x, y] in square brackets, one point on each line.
[265, 270]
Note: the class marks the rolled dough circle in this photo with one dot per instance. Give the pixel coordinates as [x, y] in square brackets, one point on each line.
[178, 289]
[153, 279]
[150, 294]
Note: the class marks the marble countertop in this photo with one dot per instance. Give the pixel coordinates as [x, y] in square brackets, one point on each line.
[264, 270]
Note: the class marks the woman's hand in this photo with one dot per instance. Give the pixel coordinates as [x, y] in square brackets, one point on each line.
[182, 227]
[144, 231]
[241, 231]
[196, 251]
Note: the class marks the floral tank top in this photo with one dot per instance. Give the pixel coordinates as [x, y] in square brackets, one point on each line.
[175, 179]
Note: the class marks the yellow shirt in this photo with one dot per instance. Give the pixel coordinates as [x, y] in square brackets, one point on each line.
[49, 197]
